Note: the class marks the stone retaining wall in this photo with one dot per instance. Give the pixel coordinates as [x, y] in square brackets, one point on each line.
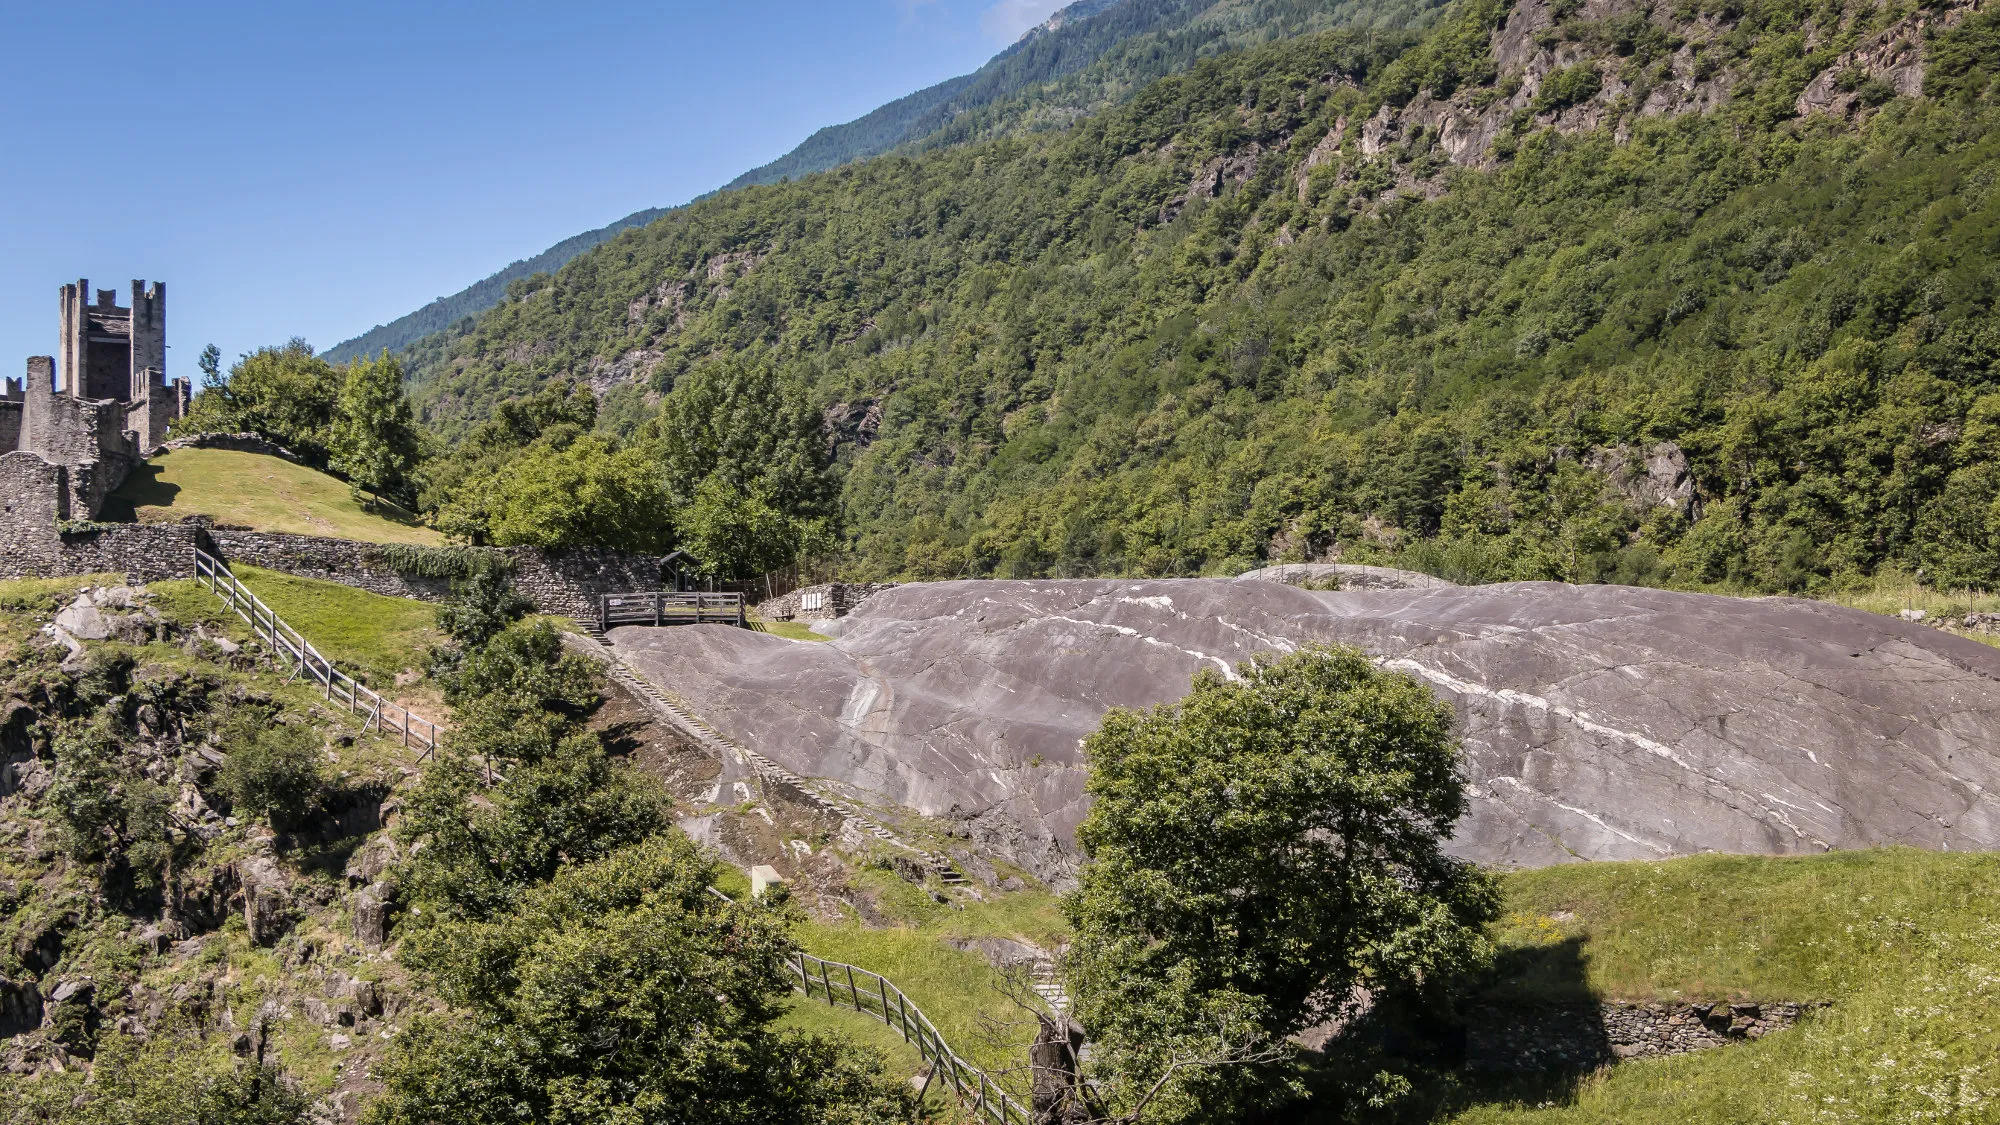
[142, 552]
[1577, 1037]
[826, 602]
[33, 544]
[562, 582]
[240, 443]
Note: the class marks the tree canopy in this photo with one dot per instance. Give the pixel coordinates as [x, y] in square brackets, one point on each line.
[1262, 854]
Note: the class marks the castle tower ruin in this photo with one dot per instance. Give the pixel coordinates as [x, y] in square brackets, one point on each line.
[109, 404]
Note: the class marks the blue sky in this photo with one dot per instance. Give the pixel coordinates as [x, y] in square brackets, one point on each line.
[315, 168]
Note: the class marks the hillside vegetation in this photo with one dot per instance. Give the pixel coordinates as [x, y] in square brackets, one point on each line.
[258, 491]
[1333, 295]
[1901, 943]
[1089, 55]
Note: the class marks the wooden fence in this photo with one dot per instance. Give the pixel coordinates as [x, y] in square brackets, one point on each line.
[845, 986]
[664, 608]
[340, 687]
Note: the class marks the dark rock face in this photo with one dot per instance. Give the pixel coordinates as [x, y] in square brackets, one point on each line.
[1600, 722]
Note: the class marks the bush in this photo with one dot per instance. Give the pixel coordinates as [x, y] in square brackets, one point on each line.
[273, 770]
[621, 991]
[170, 1078]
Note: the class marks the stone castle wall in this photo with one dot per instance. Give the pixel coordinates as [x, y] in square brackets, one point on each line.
[565, 583]
[33, 498]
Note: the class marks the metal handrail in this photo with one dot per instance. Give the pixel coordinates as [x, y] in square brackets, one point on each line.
[840, 984]
[265, 623]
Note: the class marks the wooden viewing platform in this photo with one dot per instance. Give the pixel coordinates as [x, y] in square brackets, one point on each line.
[663, 608]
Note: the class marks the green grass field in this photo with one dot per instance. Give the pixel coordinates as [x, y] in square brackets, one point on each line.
[253, 490]
[1905, 945]
[965, 998]
[373, 637]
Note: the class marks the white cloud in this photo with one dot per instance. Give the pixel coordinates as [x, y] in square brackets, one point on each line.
[1008, 20]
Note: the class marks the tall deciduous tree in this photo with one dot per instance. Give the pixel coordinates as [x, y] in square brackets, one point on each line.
[588, 493]
[286, 394]
[745, 457]
[1261, 854]
[374, 437]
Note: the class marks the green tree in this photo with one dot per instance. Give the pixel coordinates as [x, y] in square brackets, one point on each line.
[1260, 853]
[107, 810]
[374, 438]
[285, 394]
[737, 534]
[746, 459]
[590, 492]
[556, 795]
[622, 991]
[481, 606]
[273, 769]
[210, 364]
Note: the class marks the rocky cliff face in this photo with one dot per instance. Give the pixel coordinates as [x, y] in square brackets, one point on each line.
[1578, 66]
[1600, 722]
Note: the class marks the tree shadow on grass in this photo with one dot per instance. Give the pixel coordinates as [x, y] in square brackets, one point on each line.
[1530, 1033]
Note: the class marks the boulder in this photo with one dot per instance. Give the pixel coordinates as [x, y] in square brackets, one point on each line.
[84, 621]
[370, 906]
[266, 900]
[1599, 722]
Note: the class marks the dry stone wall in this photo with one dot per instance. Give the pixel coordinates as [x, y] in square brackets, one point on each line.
[33, 543]
[1577, 1037]
[562, 582]
[240, 443]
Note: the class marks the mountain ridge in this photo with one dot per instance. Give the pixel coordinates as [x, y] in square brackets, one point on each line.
[1455, 304]
[1063, 47]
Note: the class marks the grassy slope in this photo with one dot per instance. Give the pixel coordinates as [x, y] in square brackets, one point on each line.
[371, 636]
[26, 602]
[1905, 944]
[790, 630]
[960, 993]
[253, 490]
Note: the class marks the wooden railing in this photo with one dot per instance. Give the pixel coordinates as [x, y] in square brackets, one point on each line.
[340, 687]
[871, 994]
[663, 608]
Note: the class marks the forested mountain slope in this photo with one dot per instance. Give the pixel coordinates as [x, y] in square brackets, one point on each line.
[479, 296]
[1697, 293]
[1089, 55]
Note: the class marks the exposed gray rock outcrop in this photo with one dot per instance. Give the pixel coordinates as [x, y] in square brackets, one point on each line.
[1600, 722]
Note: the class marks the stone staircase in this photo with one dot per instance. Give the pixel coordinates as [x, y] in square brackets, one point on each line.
[680, 715]
[1047, 983]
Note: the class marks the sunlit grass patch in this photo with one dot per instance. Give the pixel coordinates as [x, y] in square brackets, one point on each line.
[258, 491]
